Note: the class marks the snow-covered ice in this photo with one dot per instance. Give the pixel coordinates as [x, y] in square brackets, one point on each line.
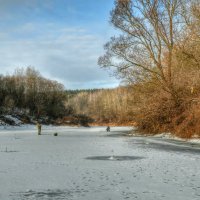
[45, 167]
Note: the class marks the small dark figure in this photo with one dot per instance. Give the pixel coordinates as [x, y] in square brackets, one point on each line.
[108, 129]
[55, 134]
[39, 127]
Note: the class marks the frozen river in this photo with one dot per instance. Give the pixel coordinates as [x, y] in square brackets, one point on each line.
[87, 164]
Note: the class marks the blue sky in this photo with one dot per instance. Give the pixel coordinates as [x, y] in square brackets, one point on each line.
[61, 38]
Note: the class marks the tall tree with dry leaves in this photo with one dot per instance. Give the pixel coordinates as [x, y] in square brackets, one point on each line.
[150, 29]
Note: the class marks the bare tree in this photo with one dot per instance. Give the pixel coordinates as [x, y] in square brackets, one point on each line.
[150, 30]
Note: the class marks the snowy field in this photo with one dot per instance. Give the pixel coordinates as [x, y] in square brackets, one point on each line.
[87, 164]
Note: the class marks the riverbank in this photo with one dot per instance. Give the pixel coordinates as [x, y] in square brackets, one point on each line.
[169, 136]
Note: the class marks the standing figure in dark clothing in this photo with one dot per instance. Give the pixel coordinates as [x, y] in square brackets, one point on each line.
[108, 129]
[39, 127]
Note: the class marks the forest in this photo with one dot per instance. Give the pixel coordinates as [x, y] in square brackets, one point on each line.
[105, 106]
[26, 93]
[157, 57]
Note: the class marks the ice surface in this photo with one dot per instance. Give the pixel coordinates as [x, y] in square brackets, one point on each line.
[45, 167]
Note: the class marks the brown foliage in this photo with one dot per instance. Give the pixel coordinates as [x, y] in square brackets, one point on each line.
[105, 106]
[159, 54]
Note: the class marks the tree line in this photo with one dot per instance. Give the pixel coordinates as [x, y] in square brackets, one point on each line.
[26, 91]
[105, 105]
[158, 53]
[157, 56]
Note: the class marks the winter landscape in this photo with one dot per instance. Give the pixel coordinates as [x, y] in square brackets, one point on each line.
[89, 163]
[99, 100]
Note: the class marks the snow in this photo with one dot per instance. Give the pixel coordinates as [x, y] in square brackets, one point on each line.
[195, 141]
[17, 121]
[53, 168]
[2, 123]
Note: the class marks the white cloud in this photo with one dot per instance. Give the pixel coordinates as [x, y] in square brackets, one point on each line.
[35, 32]
[65, 54]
